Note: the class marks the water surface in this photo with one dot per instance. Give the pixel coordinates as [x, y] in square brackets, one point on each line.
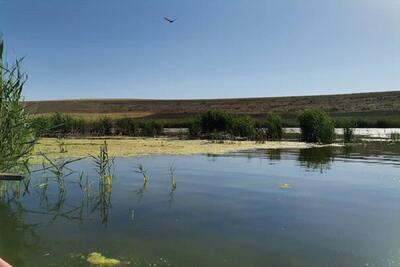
[339, 207]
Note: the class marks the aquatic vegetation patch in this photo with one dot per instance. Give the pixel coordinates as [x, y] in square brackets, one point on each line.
[96, 258]
[285, 186]
[123, 147]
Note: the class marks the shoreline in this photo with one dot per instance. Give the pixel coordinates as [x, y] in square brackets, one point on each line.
[129, 147]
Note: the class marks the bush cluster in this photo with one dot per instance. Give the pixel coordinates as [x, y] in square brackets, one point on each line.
[348, 131]
[214, 121]
[274, 127]
[226, 125]
[316, 126]
[59, 125]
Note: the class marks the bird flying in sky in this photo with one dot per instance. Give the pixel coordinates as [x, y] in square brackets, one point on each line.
[169, 19]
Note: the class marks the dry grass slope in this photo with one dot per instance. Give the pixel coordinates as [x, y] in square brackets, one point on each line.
[380, 104]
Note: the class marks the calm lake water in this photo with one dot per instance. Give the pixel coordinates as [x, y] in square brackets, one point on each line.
[278, 208]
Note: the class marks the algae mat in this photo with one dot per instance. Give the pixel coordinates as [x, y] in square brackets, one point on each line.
[123, 147]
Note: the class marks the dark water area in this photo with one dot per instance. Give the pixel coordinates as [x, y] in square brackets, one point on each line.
[286, 208]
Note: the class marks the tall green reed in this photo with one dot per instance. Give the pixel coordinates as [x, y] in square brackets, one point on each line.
[105, 169]
[17, 136]
[103, 161]
[139, 168]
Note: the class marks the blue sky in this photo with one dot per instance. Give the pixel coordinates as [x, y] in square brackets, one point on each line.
[215, 49]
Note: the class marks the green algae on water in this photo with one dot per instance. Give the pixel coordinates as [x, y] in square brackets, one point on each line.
[96, 258]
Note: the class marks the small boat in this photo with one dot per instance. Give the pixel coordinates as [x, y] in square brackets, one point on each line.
[11, 177]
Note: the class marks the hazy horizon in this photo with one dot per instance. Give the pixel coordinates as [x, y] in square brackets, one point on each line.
[218, 98]
[126, 50]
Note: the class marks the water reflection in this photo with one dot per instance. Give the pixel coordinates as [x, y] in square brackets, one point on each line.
[103, 198]
[316, 158]
[65, 194]
[141, 191]
[214, 204]
[18, 239]
[172, 171]
[274, 154]
[52, 193]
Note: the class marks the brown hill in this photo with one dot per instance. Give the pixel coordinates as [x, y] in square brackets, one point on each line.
[379, 104]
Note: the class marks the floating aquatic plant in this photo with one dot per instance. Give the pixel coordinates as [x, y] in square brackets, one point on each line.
[96, 258]
[285, 186]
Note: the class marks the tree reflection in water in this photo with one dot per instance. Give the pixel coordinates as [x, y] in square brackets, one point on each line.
[274, 154]
[316, 158]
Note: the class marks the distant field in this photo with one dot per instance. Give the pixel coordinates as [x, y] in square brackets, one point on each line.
[367, 106]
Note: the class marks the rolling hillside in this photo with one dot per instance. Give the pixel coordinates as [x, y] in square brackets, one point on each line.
[362, 105]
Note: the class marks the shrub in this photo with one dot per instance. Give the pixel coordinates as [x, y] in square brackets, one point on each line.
[242, 126]
[194, 128]
[17, 135]
[151, 128]
[274, 127]
[260, 135]
[77, 126]
[41, 124]
[127, 126]
[58, 125]
[316, 126]
[63, 124]
[214, 120]
[102, 127]
[348, 131]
